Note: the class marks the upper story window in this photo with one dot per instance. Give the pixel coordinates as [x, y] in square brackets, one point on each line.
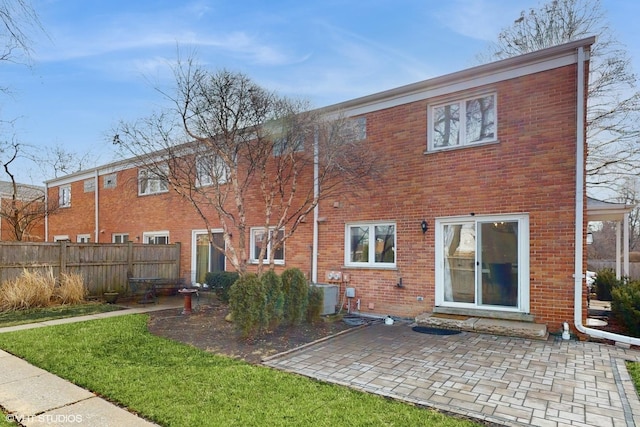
[150, 182]
[372, 245]
[210, 169]
[357, 128]
[89, 185]
[464, 122]
[64, 196]
[110, 181]
[259, 238]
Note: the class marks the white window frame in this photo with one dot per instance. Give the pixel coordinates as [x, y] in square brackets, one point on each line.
[153, 184]
[151, 237]
[371, 263]
[462, 104]
[89, 185]
[523, 304]
[254, 256]
[83, 238]
[61, 238]
[210, 168]
[123, 237]
[64, 196]
[110, 181]
[194, 243]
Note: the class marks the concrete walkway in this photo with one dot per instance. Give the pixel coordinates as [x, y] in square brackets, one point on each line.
[503, 380]
[34, 397]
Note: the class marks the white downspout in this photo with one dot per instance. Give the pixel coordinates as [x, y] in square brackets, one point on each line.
[96, 217]
[46, 211]
[316, 190]
[579, 236]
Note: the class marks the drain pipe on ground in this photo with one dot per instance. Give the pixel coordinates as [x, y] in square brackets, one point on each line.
[579, 236]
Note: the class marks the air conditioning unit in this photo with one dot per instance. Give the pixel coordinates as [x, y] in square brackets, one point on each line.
[330, 300]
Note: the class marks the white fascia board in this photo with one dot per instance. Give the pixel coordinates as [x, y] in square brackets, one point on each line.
[482, 75]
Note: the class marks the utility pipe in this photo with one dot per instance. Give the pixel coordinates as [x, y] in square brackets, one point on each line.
[316, 190]
[579, 235]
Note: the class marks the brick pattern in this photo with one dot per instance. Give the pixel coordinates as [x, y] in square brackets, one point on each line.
[501, 380]
[531, 169]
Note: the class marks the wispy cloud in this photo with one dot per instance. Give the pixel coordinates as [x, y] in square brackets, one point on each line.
[477, 19]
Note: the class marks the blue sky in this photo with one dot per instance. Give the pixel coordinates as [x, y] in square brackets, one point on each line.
[100, 60]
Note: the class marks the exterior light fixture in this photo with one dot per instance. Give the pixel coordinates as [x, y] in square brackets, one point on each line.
[424, 226]
[589, 238]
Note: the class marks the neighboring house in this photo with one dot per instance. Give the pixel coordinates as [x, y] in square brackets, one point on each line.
[480, 208]
[28, 212]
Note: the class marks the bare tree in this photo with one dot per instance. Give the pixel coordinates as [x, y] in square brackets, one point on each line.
[228, 146]
[17, 18]
[56, 160]
[613, 109]
[26, 207]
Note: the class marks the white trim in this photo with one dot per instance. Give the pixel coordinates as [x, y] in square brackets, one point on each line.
[252, 255]
[194, 234]
[524, 286]
[80, 238]
[494, 72]
[147, 234]
[61, 237]
[371, 255]
[462, 123]
[121, 235]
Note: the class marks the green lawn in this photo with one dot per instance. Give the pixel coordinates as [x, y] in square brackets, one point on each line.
[20, 317]
[174, 384]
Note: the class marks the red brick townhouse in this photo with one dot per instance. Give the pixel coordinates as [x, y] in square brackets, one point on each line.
[479, 208]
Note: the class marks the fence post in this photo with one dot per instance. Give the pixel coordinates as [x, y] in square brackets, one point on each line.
[63, 257]
[129, 259]
[178, 249]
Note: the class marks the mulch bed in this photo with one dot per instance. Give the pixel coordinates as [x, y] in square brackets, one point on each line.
[207, 329]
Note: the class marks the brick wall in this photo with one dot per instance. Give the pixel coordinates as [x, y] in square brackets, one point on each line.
[530, 170]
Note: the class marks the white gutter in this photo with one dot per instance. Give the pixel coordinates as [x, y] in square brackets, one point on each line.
[579, 238]
[316, 190]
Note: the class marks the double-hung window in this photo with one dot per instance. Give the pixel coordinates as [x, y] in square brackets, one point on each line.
[372, 245]
[150, 182]
[461, 123]
[260, 238]
[210, 169]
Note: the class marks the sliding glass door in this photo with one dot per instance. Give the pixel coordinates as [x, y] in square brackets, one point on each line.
[207, 258]
[482, 261]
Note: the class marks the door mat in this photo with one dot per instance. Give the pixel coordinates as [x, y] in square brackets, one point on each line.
[434, 331]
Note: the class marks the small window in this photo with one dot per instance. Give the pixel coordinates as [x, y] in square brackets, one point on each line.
[210, 169]
[356, 129]
[259, 238]
[83, 238]
[462, 123]
[61, 238]
[110, 181]
[159, 238]
[371, 245]
[120, 237]
[64, 196]
[89, 185]
[150, 182]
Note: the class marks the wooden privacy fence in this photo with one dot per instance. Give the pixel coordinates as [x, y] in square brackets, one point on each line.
[104, 266]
